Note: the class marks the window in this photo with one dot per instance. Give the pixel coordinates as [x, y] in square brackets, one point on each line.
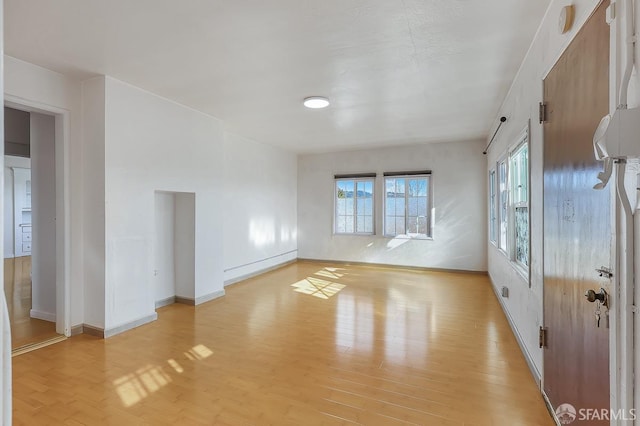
[407, 205]
[354, 204]
[509, 183]
[503, 206]
[493, 220]
[519, 176]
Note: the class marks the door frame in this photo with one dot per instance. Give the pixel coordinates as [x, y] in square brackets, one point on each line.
[621, 355]
[63, 205]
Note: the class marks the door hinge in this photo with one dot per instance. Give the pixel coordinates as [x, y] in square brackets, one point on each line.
[543, 112]
[634, 309]
[542, 337]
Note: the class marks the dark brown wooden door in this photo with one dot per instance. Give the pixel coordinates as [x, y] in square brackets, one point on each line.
[577, 229]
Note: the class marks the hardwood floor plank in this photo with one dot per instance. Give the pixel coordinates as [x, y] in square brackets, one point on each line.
[25, 330]
[383, 347]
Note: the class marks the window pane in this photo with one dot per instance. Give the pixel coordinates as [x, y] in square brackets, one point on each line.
[349, 224]
[502, 175]
[407, 205]
[368, 224]
[520, 173]
[368, 206]
[412, 225]
[492, 205]
[354, 206]
[390, 226]
[522, 235]
[399, 203]
[413, 206]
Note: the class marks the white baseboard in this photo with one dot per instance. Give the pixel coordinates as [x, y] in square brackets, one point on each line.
[128, 326]
[523, 348]
[258, 272]
[45, 316]
[165, 302]
[238, 273]
[201, 299]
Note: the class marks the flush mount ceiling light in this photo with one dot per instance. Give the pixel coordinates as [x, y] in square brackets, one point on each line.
[316, 102]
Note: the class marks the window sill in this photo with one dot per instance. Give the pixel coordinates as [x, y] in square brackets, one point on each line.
[408, 237]
[524, 272]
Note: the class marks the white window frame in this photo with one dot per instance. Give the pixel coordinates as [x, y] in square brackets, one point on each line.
[429, 216]
[502, 216]
[355, 181]
[493, 203]
[522, 143]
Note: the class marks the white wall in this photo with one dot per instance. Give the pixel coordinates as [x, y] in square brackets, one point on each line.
[164, 271]
[524, 305]
[154, 144]
[459, 192]
[185, 245]
[260, 207]
[9, 235]
[93, 199]
[43, 206]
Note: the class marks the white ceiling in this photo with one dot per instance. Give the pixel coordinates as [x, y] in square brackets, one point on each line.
[396, 71]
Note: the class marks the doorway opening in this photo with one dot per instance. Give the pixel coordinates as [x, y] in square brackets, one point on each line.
[174, 248]
[33, 264]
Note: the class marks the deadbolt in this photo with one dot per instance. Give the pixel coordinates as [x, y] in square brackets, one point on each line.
[605, 272]
[602, 296]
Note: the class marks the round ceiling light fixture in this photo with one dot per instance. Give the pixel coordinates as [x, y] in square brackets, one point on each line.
[316, 102]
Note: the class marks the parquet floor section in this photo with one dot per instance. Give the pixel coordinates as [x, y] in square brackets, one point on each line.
[17, 289]
[308, 344]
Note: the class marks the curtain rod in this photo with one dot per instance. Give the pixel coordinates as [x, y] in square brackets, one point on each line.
[502, 120]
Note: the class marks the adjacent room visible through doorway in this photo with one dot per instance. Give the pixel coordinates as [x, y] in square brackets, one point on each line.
[29, 226]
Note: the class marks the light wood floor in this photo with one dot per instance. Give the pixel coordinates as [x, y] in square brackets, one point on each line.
[304, 345]
[17, 290]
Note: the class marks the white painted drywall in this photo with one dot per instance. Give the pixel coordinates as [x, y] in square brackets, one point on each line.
[185, 245]
[93, 199]
[524, 305]
[43, 207]
[459, 190]
[154, 144]
[38, 86]
[9, 235]
[259, 206]
[164, 272]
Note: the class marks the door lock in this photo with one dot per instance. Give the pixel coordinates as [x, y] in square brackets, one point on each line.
[605, 272]
[602, 296]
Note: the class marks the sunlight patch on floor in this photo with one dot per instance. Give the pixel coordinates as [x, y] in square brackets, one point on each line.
[317, 287]
[329, 273]
[199, 352]
[175, 365]
[133, 388]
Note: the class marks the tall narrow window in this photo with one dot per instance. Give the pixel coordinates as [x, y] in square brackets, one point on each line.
[503, 204]
[493, 225]
[354, 205]
[407, 205]
[519, 170]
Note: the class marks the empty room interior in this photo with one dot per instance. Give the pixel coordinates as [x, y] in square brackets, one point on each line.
[341, 212]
